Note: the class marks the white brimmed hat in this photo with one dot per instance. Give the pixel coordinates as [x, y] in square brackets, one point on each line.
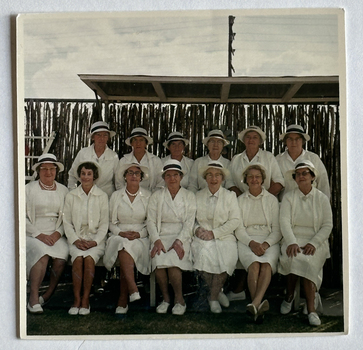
[215, 164]
[217, 134]
[48, 158]
[295, 129]
[99, 127]
[302, 164]
[96, 164]
[126, 166]
[175, 136]
[139, 132]
[173, 164]
[242, 134]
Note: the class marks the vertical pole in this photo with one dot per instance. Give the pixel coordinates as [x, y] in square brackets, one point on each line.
[231, 36]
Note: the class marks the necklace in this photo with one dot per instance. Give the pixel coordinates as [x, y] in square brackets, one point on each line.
[46, 187]
[132, 194]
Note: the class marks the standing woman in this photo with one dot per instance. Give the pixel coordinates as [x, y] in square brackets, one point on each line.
[258, 238]
[214, 245]
[306, 224]
[215, 141]
[86, 224]
[44, 229]
[129, 241]
[294, 139]
[98, 153]
[170, 221]
[176, 144]
[139, 140]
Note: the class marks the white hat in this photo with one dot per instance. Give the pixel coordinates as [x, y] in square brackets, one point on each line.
[218, 134]
[302, 164]
[126, 166]
[99, 127]
[242, 134]
[173, 164]
[97, 166]
[139, 132]
[215, 164]
[295, 129]
[175, 136]
[48, 158]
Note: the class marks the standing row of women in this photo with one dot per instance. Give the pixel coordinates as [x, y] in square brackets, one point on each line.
[182, 229]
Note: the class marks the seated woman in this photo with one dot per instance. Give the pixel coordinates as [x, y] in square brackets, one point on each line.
[214, 245]
[85, 224]
[258, 238]
[170, 221]
[44, 229]
[176, 144]
[306, 223]
[129, 241]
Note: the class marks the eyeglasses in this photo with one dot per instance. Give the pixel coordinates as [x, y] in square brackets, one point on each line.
[210, 176]
[48, 169]
[292, 139]
[254, 177]
[132, 173]
[304, 173]
[102, 135]
[215, 142]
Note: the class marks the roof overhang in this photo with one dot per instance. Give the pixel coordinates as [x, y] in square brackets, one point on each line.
[174, 89]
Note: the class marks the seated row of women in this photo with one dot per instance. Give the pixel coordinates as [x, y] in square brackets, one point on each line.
[175, 230]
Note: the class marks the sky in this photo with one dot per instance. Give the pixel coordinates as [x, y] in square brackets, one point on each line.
[58, 47]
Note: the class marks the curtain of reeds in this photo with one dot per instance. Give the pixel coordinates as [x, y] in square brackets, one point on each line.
[71, 121]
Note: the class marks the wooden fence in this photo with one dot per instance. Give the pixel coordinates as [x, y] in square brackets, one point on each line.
[72, 119]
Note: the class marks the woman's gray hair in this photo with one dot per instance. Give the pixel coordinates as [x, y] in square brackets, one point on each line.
[254, 167]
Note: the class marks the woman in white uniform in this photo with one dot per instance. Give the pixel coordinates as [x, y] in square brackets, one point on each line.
[306, 224]
[86, 220]
[129, 241]
[170, 221]
[294, 139]
[98, 153]
[139, 141]
[44, 229]
[214, 245]
[258, 238]
[176, 144]
[215, 142]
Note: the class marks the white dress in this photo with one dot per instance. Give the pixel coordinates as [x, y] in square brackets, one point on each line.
[196, 181]
[305, 219]
[220, 214]
[260, 223]
[108, 162]
[44, 215]
[154, 164]
[186, 164]
[127, 216]
[240, 161]
[286, 163]
[86, 217]
[169, 220]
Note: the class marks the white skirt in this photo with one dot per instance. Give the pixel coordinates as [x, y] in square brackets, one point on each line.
[170, 258]
[306, 266]
[139, 249]
[95, 252]
[36, 249]
[214, 256]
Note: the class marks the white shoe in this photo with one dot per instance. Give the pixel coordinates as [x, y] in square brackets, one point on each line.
[41, 301]
[236, 296]
[163, 307]
[286, 307]
[223, 300]
[251, 311]
[35, 309]
[178, 309]
[215, 306]
[121, 310]
[73, 311]
[135, 296]
[318, 305]
[84, 311]
[314, 319]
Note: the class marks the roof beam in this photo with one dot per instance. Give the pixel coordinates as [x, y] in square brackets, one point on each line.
[159, 90]
[291, 92]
